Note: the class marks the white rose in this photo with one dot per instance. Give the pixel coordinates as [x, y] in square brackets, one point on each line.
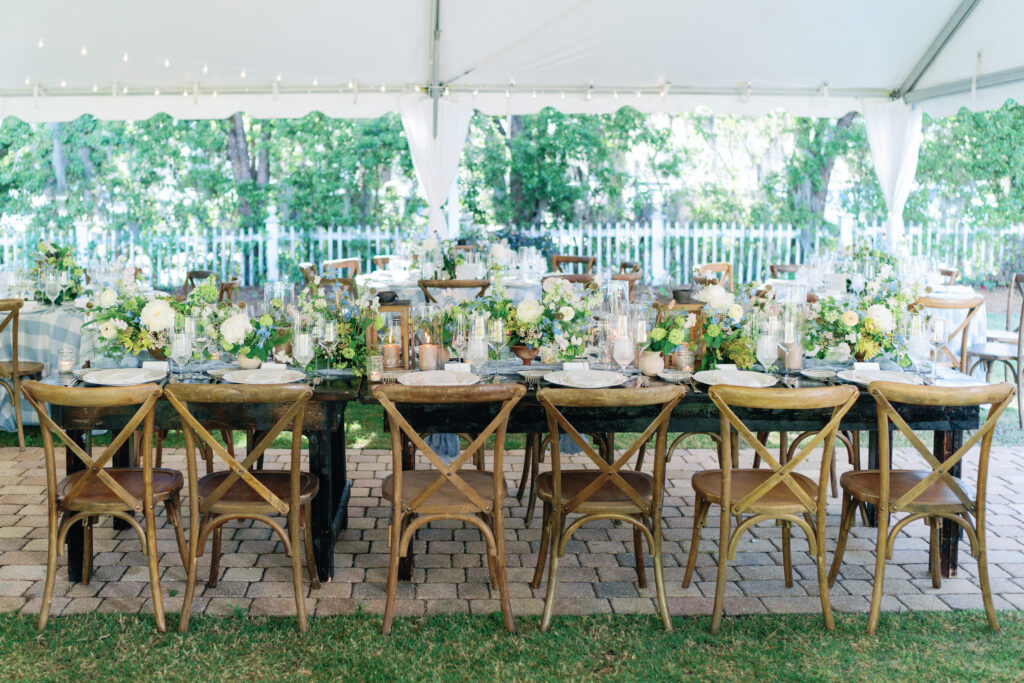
[108, 298]
[157, 315]
[528, 310]
[553, 283]
[874, 286]
[234, 329]
[430, 244]
[716, 297]
[566, 313]
[108, 330]
[691, 321]
[882, 317]
[735, 312]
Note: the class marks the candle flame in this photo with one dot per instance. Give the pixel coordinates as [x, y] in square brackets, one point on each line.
[427, 335]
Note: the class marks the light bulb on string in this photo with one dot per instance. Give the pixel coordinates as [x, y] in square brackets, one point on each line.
[156, 92]
[242, 74]
[316, 81]
[84, 50]
[124, 57]
[95, 87]
[206, 68]
[214, 93]
[563, 94]
[351, 84]
[278, 78]
[63, 83]
[124, 90]
[615, 94]
[534, 95]
[167, 63]
[28, 80]
[383, 88]
[40, 44]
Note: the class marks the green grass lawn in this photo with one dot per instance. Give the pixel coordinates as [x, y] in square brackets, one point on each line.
[923, 646]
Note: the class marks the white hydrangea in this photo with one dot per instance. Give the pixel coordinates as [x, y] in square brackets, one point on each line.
[528, 311]
[882, 316]
[566, 313]
[157, 315]
[234, 329]
[108, 298]
[716, 297]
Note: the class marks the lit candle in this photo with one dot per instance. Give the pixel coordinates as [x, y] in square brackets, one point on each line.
[430, 355]
[391, 352]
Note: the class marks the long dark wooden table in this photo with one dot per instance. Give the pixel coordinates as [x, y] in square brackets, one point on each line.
[324, 426]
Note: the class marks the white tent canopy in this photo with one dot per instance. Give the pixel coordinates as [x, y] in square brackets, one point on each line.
[356, 59]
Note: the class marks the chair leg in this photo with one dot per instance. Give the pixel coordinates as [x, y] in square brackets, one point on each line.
[87, 550]
[173, 506]
[307, 535]
[191, 577]
[879, 584]
[545, 533]
[826, 603]
[498, 525]
[933, 552]
[294, 532]
[527, 461]
[492, 569]
[549, 597]
[215, 557]
[787, 556]
[845, 521]
[763, 438]
[16, 402]
[51, 569]
[154, 568]
[659, 571]
[986, 587]
[638, 555]
[700, 512]
[158, 456]
[724, 531]
[531, 505]
[392, 584]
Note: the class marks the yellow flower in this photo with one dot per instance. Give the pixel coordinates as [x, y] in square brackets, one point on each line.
[850, 318]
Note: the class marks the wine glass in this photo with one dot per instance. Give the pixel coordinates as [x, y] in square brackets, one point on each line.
[302, 348]
[477, 352]
[767, 349]
[604, 338]
[918, 348]
[622, 343]
[937, 339]
[51, 287]
[181, 349]
[329, 338]
[64, 280]
[499, 340]
[460, 336]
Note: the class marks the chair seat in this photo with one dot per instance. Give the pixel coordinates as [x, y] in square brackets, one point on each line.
[608, 498]
[448, 498]
[242, 498]
[1003, 336]
[993, 350]
[25, 368]
[780, 499]
[97, 495]
[864, 485]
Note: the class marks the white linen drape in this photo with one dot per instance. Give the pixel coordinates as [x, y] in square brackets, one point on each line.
[436, 160]
[894, 133]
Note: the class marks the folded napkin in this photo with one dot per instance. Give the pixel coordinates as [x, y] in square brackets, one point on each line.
[131, 378]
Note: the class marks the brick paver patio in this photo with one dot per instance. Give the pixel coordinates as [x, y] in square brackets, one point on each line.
[596, 576]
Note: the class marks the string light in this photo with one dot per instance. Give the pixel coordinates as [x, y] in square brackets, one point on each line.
[508, 94]
[383, 88]
[533, 95]
[278, 78]
[206, 68]
[215, 94]
[63, 83]
[85, 50]
[184, 93]
[316, 81]
[563, 94]
[124, 90]
[615, 94]
[243, 73]
[476, 91]
[28, 80]
[95, 87]
[639, 94]
[40, 44]
[156, 92]
[167, 63]
[124, 58]
[351, 84]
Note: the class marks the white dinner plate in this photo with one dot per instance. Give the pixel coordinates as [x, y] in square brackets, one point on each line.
[820, 374]
[866, 377]
[122, 377]
[675, 376]
[585, 379]
[438, 378]
[262, 376]
[736, 378]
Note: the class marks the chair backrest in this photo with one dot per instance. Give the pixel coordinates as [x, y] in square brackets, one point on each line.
[890, 394]
[194, 277]
[952, 275]
[631, 278]
[380, 262]
[308, 271]
[839, 399]
[630, 267]
[971, 306]
[228, 291]
[427, 285]
[1016, 285]
[576, 278]
[391, 396]
[554, 400]
[463, 247]
[722, 272]
[341, 267]
[144, 396]
[290, 399]
[779, 268]
[585, 263]
[10, 310]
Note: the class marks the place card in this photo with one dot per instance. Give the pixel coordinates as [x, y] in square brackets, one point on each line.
[160, 365]
[575, 366]
[273, 366]
[458, 367]
[726, 366]
[866, 366]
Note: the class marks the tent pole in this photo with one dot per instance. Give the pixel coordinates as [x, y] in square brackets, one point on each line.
[435, 83]
[964, 85]
[947, 32]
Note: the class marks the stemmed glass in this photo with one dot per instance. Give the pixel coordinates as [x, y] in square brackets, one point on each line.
[622, 344]
[181, 350]
[641, 331]
[767, 350]
[51, 287]
[499, 340]
[918, 348]
[477, 352]
[329, 338]
[64, 280]
[937, 339]
[460, 336]
[302, 348]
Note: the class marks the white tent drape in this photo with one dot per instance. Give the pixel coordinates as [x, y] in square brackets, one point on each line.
[436, 160]
[894, 133]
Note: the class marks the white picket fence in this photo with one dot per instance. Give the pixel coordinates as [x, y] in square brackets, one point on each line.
[667, 251]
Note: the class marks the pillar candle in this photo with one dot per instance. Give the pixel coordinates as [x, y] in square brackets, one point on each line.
[429, 356]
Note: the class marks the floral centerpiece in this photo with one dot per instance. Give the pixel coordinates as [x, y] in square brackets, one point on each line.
[724, 333]
[252, 339]
[671, 333]
[131, 323]
[352, 320]
[559, 320]
[49, 255]
[864, 327]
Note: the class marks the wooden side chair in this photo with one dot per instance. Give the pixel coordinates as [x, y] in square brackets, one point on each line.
[309, 272]
[630, 267]
[952, 275]
[566, 264]
[930, 493]
[721, 272]
[381, 261]
[343, 285]
[611, 491]
[228, 291]
[475, 496]
[587, 279]
[970, 306]
[342, 267]
[194, 277]
[12, 371]
[464, 247]
[241, 492]
[631, 278]
[120, 492]
[1009, 354]
[1009, 334]
[778, 269]
[427, 285]
[773, 493]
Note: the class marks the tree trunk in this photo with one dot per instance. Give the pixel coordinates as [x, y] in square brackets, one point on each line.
[59, 163]
[238, 150]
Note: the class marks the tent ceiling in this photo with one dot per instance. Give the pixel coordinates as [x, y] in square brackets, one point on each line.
[733, 55]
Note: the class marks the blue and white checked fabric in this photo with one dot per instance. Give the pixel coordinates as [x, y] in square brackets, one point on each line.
[41, 333]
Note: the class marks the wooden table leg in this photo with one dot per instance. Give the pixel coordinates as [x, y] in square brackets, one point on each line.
[75, 537]
[405, 564]
[946, 444]
[124, 458]
[330, 506]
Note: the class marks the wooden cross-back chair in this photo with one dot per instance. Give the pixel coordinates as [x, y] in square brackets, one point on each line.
[1008, 335]
[228, 291]
[463, 247]
[341, 285]
[241, 492]
[475, 497]
[309, 272]
[427, 285]
[970, 306]
[721, 272]
[12, 371]
[775, 493]
[194, 277]
[612, 491]
[120, 492]
[952, 275]
[631, 278]
[586, 279]
[341, 267]
[585, 263]
[381, 261]
[777, 269]
[930, 494]
[1010, 354]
